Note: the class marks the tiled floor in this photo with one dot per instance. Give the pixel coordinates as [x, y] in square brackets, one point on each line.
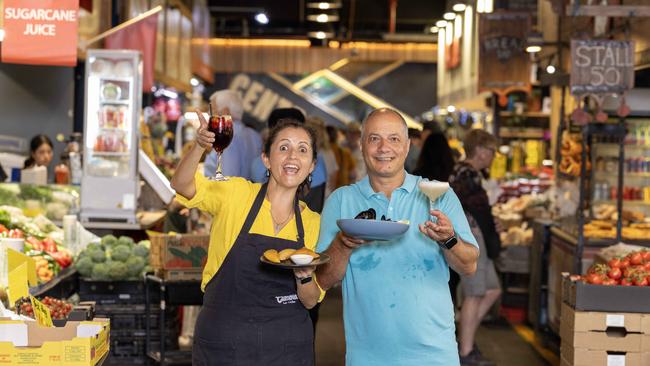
[498, 341]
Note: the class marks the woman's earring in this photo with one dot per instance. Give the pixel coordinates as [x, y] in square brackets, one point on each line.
[309, 178]
[268, 173]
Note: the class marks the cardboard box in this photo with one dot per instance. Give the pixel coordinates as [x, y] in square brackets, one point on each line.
[178, 251]
[75, 344]
[604, 331]
[587, 297]
[584, 357]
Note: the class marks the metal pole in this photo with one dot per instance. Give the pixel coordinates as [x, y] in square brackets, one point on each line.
[619, 193]
[577, 264]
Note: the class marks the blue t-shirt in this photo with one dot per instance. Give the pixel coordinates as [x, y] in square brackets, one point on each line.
[397, 306]
[318, 177]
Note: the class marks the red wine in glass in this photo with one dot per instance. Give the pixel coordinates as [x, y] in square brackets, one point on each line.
[223, 131]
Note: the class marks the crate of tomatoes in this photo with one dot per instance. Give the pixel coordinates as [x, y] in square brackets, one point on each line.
[622, 284]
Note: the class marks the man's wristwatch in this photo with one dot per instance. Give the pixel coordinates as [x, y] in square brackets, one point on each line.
[449, 243]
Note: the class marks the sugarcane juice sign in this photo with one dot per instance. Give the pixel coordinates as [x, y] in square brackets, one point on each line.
[601, 67]
[40, 32]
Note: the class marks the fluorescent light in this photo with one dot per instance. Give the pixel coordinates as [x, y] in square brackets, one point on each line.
[2, 34]
[433, 29]
[550, 69]
[324, 5]
[533, 49]
[449, 16]
[458, 27]
[322, 18]
[459, 7]
[489, 6]
[321, 35]
[451, 109]
[262, 18]
[441, 23]
[194, 82]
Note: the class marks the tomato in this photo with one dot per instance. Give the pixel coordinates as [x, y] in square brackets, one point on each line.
[609, 282]
[640, 281]
[595, 279]
[3, 229]
[646, 266]
[629, 272]
[614, 262]
[626, 282]
[646, 255]
[50, 245]
[615, 273]
[625, 262]
[636, 258]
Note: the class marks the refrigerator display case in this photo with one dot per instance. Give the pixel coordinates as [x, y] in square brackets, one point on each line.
[113, 101]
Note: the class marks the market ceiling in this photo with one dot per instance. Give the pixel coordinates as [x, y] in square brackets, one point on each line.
[370, 18]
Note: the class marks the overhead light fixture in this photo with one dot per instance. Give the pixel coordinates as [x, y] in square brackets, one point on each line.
[451, 109]
[194, 82]
[534, 42]
[550, 69]
[323, 18]
[459, 7]
[2, 34]
[433, 29]
[484, 6]
[533, 49]
[449, 16]
[324, 5]
[321, 35]
[441, 24]
[262, 18]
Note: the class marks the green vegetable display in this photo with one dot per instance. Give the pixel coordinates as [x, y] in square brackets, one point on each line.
[113, 259]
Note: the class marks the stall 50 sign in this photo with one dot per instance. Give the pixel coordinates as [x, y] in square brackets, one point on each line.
[601, 67]
[40, 32]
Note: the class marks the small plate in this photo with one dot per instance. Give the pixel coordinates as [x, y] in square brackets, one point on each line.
[288, 264]
[372, 229]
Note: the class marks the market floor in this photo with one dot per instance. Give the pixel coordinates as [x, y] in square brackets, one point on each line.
[498, 341]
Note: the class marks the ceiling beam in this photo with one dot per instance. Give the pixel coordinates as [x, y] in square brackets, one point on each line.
[618, 11]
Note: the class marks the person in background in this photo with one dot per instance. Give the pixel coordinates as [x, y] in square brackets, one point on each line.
[414, 150]
[40, 152]
[344, 159]
[315, 197]
[482, 290]
[236, 160]
[253, 314]
[436, 162]
[396, 304]
[354, 144]
[3, 174]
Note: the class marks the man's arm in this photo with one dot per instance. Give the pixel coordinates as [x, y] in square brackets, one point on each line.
[463, 257]
[339, 252]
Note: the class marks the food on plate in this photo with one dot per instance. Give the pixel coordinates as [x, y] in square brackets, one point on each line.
[433, 189]
[369, 214]
[302, 259]
[272, 256]
[284, 254]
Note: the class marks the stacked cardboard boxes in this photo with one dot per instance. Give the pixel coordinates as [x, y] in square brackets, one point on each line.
[601, 330]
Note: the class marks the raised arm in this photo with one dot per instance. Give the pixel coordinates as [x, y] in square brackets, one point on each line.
[339, 251]
[183, 180]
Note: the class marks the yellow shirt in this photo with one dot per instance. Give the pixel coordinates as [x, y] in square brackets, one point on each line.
[229, 203]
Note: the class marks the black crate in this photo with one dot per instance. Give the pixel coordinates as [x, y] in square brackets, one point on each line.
[127, 361]
[588, 297]
[114, 292]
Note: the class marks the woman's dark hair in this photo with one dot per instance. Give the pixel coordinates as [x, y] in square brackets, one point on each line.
[436, 159]
[36, 142]
[283, 124]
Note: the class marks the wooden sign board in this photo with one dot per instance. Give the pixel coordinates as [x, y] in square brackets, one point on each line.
[601, 67]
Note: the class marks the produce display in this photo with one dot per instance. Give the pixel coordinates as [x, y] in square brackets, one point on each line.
[40, 227]
[59, 309]
[52, 201]
[631, 270]
[114, 259]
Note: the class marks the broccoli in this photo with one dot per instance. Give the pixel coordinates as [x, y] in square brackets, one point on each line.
[118, 270]
[125, 240]
[84, 266]
[145, 243]
[92, 246]
[141, 251]
[109, 240]
[135, 264]
[97, 255]
[101, 271]
[120, 253]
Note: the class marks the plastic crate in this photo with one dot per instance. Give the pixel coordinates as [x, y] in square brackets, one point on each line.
[114, 292]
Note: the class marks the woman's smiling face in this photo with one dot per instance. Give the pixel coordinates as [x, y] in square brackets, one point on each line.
[291, 157]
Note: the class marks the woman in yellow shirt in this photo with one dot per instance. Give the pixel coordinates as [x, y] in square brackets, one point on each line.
[254, 314]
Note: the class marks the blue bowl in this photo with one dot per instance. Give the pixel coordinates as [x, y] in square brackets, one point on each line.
[372, 229]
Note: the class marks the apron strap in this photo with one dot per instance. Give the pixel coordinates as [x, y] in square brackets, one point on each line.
[252, 214]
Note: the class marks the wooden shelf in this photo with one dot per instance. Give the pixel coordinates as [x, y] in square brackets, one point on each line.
[525, 114]
[522, 133]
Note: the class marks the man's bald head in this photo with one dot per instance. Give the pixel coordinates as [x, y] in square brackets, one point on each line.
[385, 114]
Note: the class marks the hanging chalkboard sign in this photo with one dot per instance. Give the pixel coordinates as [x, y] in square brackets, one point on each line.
[601, 67]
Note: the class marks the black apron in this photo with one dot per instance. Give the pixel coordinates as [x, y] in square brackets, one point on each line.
[251, 313]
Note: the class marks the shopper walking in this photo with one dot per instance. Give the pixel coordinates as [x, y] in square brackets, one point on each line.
[397, 309]
[254, 314]
[481, 290]
[344, 159]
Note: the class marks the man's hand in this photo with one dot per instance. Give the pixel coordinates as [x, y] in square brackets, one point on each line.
[204, 138]
[350, 242]
[441, 230]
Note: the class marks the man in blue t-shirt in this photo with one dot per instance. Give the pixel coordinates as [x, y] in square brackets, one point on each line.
[397, 305]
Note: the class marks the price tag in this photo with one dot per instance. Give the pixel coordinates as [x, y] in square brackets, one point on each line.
[18, 283]
[15, 259]
[615, 360]
[615, 320]
[41, 313]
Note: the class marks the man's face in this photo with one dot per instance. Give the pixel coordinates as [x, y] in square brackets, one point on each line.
[384, 144]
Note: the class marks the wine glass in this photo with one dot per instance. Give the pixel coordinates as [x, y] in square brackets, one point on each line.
[222, 128]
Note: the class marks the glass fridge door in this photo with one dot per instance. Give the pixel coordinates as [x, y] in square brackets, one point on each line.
[111, 97]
